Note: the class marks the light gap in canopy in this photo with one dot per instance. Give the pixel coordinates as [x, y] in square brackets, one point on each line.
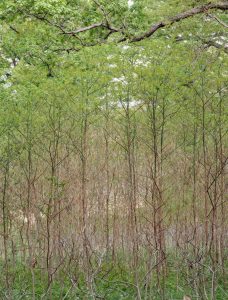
[130, 3]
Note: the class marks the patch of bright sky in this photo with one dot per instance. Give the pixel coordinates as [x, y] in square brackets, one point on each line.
[130, 3]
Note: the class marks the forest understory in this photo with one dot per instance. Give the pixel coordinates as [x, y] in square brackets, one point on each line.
[113, 151]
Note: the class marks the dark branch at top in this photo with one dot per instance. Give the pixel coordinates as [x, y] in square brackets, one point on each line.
[179, 17]
[105, 23]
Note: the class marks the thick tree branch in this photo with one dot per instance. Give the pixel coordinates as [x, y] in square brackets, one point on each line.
[155, 27]
[179, 17]
[105, 24]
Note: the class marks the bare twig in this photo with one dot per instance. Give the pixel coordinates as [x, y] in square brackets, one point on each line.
[218, 20]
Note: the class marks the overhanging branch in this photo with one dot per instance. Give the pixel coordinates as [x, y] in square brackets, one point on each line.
[105, 24]
[187, 14]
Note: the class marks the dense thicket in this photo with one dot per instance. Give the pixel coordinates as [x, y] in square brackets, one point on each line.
[113, 159]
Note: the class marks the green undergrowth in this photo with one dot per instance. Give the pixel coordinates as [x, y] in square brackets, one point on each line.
[112, 282]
